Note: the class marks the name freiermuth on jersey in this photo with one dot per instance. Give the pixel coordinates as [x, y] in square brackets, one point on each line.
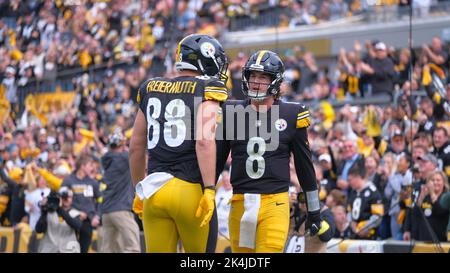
[169, 106]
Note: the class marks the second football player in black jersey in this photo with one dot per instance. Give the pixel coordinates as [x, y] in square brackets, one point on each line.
[261, 133]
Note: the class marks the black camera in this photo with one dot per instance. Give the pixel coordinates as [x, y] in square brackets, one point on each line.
[52, 202]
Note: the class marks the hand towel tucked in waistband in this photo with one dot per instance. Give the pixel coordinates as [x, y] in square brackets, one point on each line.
[249, 220]
[151, 184]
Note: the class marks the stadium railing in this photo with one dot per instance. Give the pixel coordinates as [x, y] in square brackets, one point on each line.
[267, 17]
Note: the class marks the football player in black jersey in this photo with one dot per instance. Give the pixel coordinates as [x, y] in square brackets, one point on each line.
[179, 190]
[261, 133]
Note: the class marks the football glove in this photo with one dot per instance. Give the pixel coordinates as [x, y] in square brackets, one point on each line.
[206, 206]
[313, 222]
[138, 206]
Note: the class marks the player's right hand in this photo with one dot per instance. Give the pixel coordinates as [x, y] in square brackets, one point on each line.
[206, 206]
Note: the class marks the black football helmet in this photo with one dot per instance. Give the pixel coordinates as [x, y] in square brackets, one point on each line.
[204, 54]
[268, 62]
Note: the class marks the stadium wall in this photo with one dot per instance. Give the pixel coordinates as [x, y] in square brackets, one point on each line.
[22, 240]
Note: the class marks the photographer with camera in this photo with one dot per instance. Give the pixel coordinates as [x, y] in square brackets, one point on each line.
[117, 219]
[60, 236]
[86, 196]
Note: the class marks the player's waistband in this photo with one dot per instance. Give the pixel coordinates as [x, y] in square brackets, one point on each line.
[240, 196]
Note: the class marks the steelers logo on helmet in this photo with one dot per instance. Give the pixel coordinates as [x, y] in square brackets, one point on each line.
[208, 50]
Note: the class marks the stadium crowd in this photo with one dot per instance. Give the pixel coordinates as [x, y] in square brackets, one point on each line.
[403, 147]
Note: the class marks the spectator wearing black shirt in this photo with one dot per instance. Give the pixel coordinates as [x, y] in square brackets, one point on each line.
[117, 218]
[381, 71]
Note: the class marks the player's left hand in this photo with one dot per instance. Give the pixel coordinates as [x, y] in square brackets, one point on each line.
[206, 206]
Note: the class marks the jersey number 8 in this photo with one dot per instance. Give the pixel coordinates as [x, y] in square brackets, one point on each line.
[356, 208]
[255, 156]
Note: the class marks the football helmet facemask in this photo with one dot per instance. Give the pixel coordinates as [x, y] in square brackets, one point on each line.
[267, 62]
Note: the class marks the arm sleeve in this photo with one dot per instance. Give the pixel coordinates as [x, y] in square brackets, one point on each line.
[302, 159]
[74, 223]
[303, 163]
